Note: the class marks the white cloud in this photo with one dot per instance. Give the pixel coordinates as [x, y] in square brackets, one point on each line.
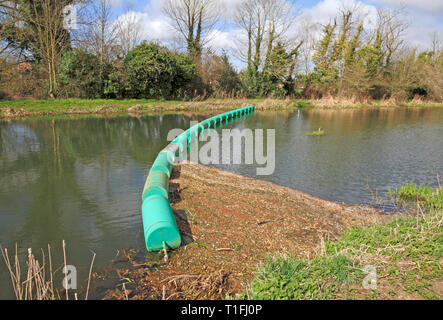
[420, 30]
[230, 7]
[115, 3]
[422, 24]
[221, 40]
[119, 3]
[325, 11]
[156, 26]
[433, 7]
[424, 16]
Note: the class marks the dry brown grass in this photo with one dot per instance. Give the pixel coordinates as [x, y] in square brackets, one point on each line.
[230, 222]
[36, 280]
[340, 101]
[215, 286]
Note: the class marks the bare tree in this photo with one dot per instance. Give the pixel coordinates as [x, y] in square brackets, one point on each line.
[264, 22]
[388, 34]
[128, 32]
[8, 17]
[98, 33]
[280, 18]
[436, 43]
[52, 38]
[101, 33]
[193, 20]
[306, 31]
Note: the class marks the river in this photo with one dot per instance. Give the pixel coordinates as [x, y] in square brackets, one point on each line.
[80, 180]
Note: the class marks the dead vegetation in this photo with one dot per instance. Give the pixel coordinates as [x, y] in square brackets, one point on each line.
[337, 102]
[35, 281]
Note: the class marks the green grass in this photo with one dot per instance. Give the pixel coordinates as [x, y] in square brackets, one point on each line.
[29, 108]
[292, 279]
[407, 253]
[424, 195]
[77, 104]
[316, 133]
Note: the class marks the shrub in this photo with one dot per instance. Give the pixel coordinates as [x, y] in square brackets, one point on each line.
[80, 75]
[155, 72]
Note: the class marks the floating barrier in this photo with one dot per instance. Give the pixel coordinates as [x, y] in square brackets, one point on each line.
[159, 225]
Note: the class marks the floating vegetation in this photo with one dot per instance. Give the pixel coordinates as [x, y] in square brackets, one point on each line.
[319, 132]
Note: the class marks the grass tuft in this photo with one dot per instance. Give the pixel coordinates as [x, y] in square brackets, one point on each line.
[281, 278]
[316, 133]
[406, 252]
[424, 195]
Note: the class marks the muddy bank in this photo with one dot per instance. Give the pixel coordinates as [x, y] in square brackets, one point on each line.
[229, 223]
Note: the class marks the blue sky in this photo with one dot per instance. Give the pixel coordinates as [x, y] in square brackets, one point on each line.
[424, 16]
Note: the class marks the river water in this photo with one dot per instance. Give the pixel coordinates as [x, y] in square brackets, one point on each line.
[80, 180]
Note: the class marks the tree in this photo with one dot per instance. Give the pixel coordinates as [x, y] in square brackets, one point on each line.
[100, 36]
[265, 23]
[387, 37]
[335, 53]
[128, 32]
[47, 18]
[277, 72]
[42, 34]
[9, 18]
[81, 74]
[219, 74]
[193, 20]
[155, 72]
[354, 59]
[323, 74]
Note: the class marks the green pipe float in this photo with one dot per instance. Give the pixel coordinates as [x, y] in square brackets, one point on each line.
[159, 225]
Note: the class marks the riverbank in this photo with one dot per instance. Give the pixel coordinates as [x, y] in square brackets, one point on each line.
[230, 224]
[401, 259]
[15, 109]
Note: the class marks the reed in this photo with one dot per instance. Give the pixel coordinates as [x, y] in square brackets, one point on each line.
[36, 280]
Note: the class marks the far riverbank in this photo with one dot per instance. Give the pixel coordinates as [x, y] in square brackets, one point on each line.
[15, 109]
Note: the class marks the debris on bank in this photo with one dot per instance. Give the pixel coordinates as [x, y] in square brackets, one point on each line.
[229, 224]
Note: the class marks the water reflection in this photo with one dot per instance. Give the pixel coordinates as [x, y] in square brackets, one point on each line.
[77, 180]
[364, 151]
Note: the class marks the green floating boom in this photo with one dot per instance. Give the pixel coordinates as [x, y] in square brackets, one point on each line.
[159, 225]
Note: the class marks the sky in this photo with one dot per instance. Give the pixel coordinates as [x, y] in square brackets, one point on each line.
[424, 17]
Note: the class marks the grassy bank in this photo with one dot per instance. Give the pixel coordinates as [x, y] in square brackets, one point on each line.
[406, 254]
[27, 108]
[32, 108]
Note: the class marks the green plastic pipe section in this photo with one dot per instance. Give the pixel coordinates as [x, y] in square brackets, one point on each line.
[159, 225]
